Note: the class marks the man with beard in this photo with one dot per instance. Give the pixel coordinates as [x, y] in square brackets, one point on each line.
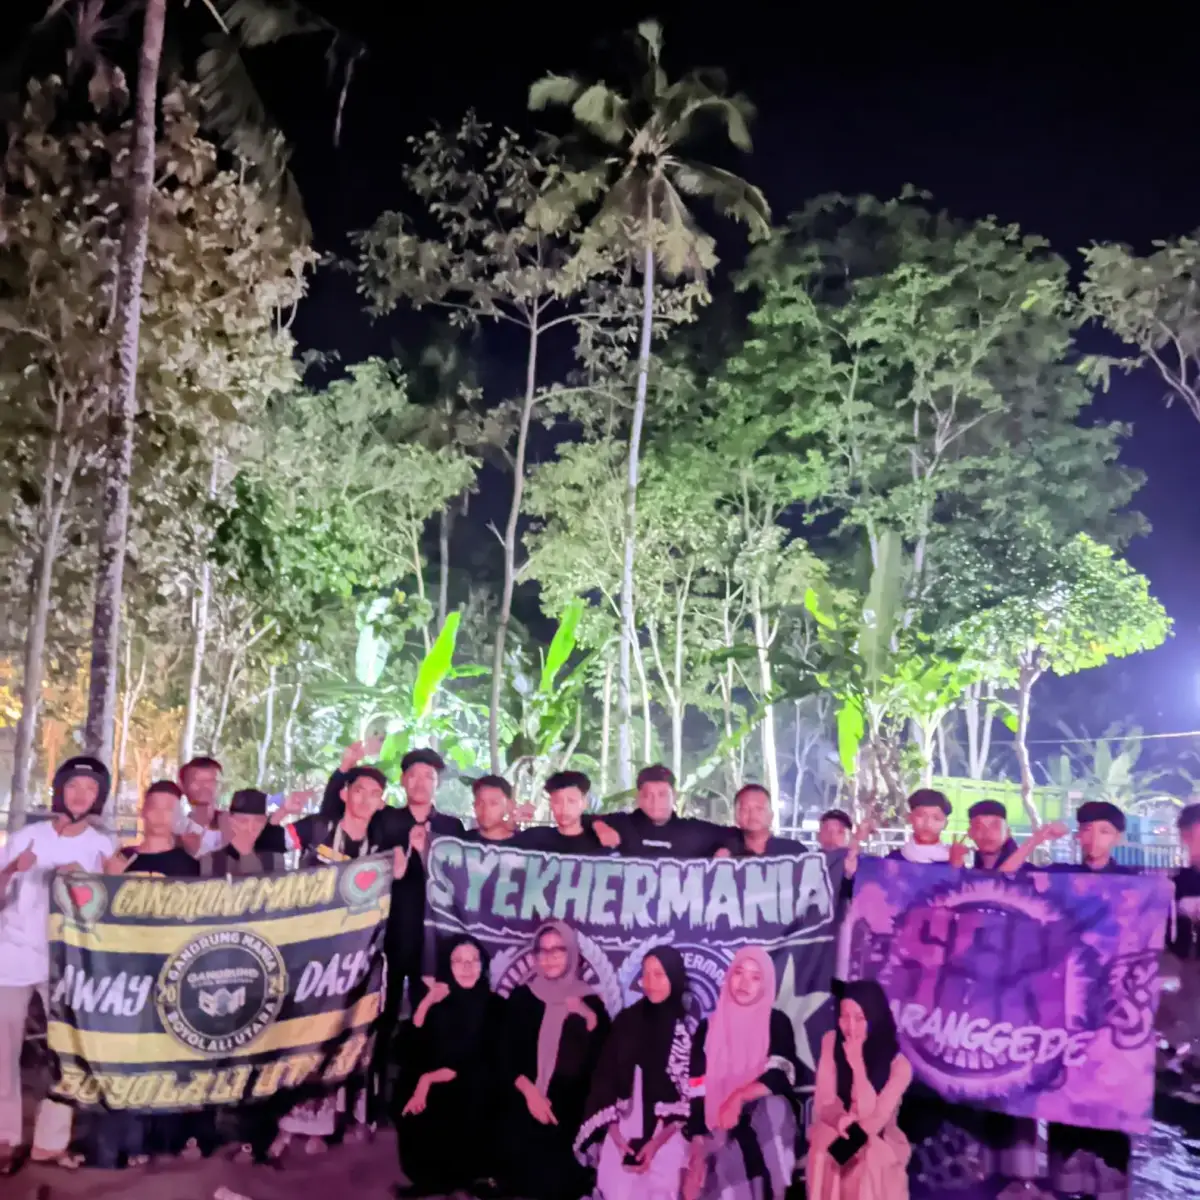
[655, 830]
[752, 815]
[66, 844]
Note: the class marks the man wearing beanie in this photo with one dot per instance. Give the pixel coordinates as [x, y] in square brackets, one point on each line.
[68, 843]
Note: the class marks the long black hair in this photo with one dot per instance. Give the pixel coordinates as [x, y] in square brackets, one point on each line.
[881, 1046]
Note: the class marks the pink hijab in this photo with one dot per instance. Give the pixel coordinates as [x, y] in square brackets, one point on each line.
[739, 1035]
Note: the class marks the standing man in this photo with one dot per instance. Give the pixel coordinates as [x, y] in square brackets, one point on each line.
[654, 830]
[1083, 1160]
[834, 830]
[494, 810]
[159, 851]
[198, 828]
[66, 844]
[247, 852]
[988, 829]
[568, 792]
[1178, 1018]
[752, 816]
[928, 812]
[408, 830]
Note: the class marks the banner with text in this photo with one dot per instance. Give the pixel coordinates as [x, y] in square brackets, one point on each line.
[1031, 994]
[171, 994]
[621, 908]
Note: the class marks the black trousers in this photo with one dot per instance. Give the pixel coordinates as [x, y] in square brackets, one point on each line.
[404, 980]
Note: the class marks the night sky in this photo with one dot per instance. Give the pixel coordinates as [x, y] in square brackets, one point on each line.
[1075, 128]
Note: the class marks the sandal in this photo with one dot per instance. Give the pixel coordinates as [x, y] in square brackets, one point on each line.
[191, 1152]
[56, 1158]
[137, 1160]
[315, 1145]
[279, 1147]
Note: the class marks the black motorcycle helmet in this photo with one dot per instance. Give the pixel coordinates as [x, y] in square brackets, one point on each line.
[93, 768]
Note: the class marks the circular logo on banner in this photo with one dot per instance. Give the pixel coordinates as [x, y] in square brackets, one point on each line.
[220, 991]
[362, 884]
[82, 902]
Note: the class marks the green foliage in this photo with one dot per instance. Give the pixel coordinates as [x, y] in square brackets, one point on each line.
[1152, 303]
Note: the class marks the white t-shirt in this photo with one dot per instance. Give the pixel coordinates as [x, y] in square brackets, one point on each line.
[25, 902]
[210, 839]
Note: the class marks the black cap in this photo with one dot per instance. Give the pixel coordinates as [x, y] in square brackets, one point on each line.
[1189, 815]
[365, 772]
[987, 808]
[430, 758]
[836, 814]
[250, 802]
[929, 798]
[1101, 810]
[73, 768]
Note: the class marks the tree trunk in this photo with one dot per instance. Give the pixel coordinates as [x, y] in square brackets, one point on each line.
[264, 746]
[445, 520]
[129, 702]
[605, 725]
[110, 567]
[770, 754]
[624, 689]
[34, 665]
[1027, 675]
[943, 757]
[510, 549]
[289, 728]
[419, 571]
[639, 661]
[187, 742]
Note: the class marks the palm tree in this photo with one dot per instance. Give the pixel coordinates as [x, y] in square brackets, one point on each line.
[106, 615]
[630, 154]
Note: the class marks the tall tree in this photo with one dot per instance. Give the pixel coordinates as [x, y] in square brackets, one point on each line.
[1151, 302]
[122, 397]
[630, 151]
[505, 250]
[202, 370]
[1060, 608]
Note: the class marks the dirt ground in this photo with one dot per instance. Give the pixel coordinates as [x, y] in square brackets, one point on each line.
[366, 1171]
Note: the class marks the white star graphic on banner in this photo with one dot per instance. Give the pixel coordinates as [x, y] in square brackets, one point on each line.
[798, 1010]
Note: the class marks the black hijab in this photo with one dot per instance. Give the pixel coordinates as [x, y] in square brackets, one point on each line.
[882, 1044]
[460, 1020]
[643, 1035]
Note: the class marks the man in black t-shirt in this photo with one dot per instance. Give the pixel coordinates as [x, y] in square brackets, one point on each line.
[654, 830]
[568, 792]
[753, 816]
[494, 810]
[159, 851]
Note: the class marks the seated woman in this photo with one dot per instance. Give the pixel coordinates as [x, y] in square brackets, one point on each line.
[555, 1029]
[633, 1127]
[743, 1121]
[855, 1150]
[451, 1079]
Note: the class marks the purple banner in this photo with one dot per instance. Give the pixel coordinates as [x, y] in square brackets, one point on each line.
[1031, 994]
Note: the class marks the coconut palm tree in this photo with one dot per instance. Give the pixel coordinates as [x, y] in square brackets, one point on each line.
[629, 155]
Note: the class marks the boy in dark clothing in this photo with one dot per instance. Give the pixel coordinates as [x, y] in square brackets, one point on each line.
[753, 817]
[494, 810]
[654, 830]
[568, 792]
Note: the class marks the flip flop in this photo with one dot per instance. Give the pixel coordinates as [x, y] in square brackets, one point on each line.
[56, 1158]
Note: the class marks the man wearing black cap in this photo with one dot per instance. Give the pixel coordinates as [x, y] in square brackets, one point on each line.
[654, 830]
[1086, 1161]
[988, 829]
[834, 830]
[568, 793]
[68, 843]
[247, 852]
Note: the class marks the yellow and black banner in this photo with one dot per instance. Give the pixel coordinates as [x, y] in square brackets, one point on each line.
[170, 994]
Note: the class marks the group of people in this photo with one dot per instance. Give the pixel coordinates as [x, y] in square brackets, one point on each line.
[559, 1098]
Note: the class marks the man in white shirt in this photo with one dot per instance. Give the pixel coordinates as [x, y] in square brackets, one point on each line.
[30, 859]
[199, 828]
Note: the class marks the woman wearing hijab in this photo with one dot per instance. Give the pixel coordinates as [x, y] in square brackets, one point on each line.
[743, 1120]
[554, 1031]
[633, 1125]
[855, 1149]
[450, 1082]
